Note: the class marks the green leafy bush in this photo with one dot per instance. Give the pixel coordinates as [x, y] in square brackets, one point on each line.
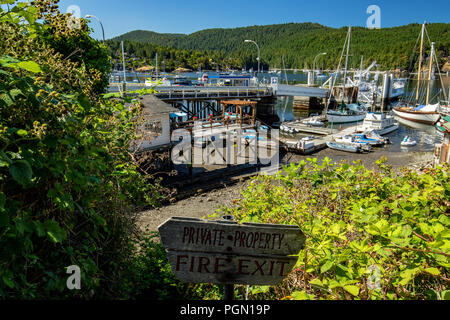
[68, 184]
[370, 234]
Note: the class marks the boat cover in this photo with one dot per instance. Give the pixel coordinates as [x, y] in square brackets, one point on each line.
[427, 108]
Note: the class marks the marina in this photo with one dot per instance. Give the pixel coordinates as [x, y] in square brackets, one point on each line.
[302, 131]
[178, 151]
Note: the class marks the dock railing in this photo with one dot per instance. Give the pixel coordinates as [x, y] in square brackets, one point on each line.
[211, 92]
[202, 92]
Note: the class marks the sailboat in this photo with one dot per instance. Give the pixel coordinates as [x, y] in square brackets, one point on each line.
[347, 112]
[414, 111]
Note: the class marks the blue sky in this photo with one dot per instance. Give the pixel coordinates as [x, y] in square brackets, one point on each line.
[188, 16]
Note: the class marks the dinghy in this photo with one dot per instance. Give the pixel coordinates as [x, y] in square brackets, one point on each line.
[408, 142]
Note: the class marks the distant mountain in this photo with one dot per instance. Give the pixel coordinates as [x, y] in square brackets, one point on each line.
[299, 43]
[166, 39]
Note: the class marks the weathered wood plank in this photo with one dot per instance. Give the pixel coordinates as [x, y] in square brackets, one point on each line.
[196, 235]
[200, 267]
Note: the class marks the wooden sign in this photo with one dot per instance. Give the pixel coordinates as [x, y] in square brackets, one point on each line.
[225, 252]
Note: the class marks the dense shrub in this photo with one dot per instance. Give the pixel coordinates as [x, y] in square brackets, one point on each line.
[68, 185]
[370, 234]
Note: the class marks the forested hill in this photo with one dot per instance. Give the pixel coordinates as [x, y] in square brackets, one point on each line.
[299, 43]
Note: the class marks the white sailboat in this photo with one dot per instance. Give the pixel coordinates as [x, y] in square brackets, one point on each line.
[414, 111]
[346, 113]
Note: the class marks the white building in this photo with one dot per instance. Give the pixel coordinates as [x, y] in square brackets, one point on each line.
[154, 125]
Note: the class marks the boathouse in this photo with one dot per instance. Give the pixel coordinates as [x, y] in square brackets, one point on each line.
[154, 127]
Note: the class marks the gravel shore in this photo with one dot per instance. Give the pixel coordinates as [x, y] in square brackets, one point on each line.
[201, 205]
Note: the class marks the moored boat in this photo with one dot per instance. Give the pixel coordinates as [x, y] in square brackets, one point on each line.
[414, 110]
[344, 147]
[379, 122]
[375, 135]
[362, 137]
[347, 114]
[423, 114]
[350, 140]
[408, 142]
[315, 122]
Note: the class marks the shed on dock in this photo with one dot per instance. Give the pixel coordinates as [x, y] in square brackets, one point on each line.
[242, 110]
[154, 123]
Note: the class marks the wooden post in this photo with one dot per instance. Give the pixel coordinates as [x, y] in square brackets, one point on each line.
[228, 294]
[228, 289]
[240, 115]
[254, 115]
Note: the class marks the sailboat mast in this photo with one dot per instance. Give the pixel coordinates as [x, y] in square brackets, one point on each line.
[156, 68]
[346, 62]
[429, 72]
[420, 62]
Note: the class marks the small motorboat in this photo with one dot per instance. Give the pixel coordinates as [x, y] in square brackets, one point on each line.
[350, 140]
[375, 135]
[408, 142]
[314, 122]
[361, 137]
[286, 129]
[344, 147]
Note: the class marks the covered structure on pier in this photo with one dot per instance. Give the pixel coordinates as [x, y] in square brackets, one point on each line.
[239, 110]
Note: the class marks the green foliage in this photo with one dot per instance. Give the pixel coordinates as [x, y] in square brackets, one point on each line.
[68, 185]
[149, 276]
[140, 54]
[298, 43]
[369, 234]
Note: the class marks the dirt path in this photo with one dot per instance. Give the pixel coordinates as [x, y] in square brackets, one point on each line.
[199, 206]
[202, 205]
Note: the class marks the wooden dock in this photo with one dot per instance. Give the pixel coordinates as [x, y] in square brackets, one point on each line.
[326, 135]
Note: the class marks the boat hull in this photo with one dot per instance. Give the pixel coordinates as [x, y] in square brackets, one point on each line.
[344, 147]
[417, 116]
[344, 119]
[387, 130]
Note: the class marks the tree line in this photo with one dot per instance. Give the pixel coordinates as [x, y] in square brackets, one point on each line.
[293, 45]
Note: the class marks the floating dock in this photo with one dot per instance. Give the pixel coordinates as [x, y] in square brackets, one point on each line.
[324, 135]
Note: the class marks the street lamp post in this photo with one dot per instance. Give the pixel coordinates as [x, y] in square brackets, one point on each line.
[314, 65]
[259, 51]
[103, 30]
